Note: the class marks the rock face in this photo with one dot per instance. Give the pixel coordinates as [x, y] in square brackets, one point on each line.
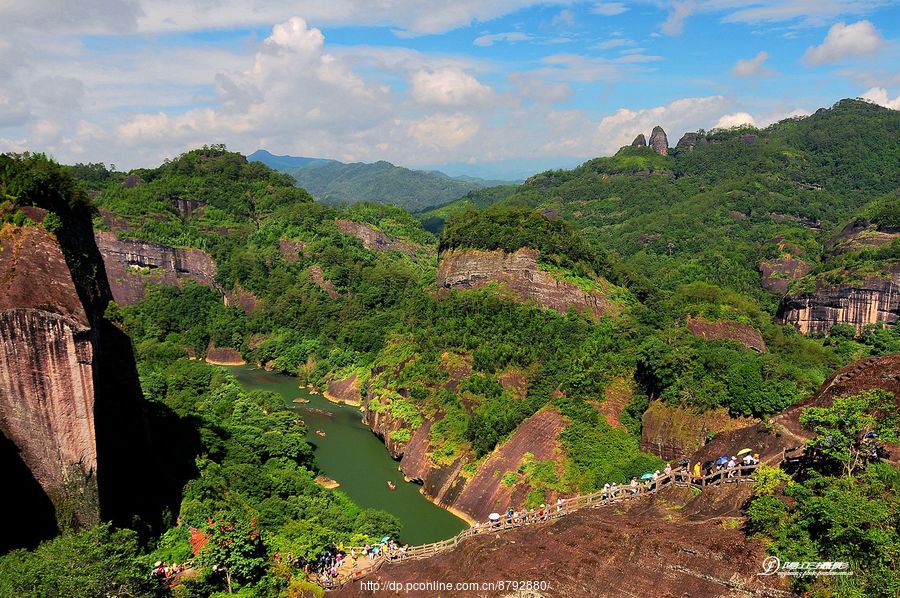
[224, 356]
[690, 139]
[373, 238]
[131, 265]
[344, 391]
[743, 333]
[242, 298]
[639, 141]
[187, 207]
[659, 142]
[519, 272]
[876, 300]
[860, 235]
[318, 277]
[666, 546]
[675, 433]
[47, 346]
[778, 274]
[484, 494]
[290, 250]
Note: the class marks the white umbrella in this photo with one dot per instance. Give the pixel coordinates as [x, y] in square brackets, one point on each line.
[494, 516]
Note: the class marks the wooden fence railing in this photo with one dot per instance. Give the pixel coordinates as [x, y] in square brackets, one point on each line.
[366, 565]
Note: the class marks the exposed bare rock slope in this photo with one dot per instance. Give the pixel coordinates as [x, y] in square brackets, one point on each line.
[664, 546]
[519, 272]
[131, 265]
[777, 274]
[743, 333]
[373, 238]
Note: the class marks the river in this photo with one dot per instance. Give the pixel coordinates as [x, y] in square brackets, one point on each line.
[352, 455]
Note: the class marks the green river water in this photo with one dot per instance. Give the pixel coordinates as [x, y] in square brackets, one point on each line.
[353, 456]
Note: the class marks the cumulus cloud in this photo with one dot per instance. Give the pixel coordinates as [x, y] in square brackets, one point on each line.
[444, 130]
[752, 67]
[734, 120]
[448, 87]
[489, 39]
[879, 95]
[687, 114]
[846, 41]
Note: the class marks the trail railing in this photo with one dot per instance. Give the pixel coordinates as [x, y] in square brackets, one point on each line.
[367, 564]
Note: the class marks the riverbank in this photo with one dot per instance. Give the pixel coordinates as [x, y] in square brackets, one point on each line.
[352, 455]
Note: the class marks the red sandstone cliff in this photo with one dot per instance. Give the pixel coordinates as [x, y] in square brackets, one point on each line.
[47, 351]
[519, 272]
[131, 265]
[875, 300]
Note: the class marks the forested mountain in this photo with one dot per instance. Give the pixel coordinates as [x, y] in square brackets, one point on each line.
[381, 182]
[548, 338]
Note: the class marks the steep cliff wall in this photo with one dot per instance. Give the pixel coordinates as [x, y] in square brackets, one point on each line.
[130, 265]
[76, 433]
[674, 433]
[875, 300]
[46, 371]
[519, 272]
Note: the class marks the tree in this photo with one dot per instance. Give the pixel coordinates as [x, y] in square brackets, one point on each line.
[840, 428]
[235, 548]
[95, 562]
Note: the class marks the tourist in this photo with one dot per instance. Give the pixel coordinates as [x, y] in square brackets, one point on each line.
[634, 485]
[697, 470]
[732, 463]
[668, 471]
[559, 504]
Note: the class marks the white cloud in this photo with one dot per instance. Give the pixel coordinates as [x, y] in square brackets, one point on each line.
[448, 87]
[565, 18]
[752, 67]
[609, 9]
[674, 24]
[734, 120]
[846, 41]
[609, 44]
[153, 16]
[444, 130]
[687, 114]
[510, 36]
[879, 95]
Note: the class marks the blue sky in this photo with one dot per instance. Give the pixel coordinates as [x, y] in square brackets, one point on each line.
[495, 89]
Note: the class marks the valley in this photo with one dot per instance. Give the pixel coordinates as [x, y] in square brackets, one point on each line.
[516, 346]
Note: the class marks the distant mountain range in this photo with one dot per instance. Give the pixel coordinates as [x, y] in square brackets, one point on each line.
[382, 182]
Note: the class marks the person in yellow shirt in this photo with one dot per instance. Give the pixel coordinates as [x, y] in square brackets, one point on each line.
[697, 469]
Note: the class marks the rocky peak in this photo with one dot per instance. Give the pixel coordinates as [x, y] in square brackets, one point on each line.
[639, 141]
[659, 142]
[690, 139]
